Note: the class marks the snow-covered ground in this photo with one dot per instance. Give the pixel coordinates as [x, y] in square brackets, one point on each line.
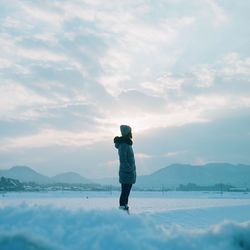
[91, 220]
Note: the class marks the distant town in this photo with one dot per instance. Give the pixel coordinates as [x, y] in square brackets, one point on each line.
[9, 184]
[14, 185]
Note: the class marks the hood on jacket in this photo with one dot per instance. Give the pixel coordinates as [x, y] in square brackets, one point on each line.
[125, 130]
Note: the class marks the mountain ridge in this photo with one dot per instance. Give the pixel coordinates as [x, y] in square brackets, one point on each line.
[170, 176]
[74, 177]
[209, 174]
[27, 174]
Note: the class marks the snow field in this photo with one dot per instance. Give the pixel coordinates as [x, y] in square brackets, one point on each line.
[52, 221]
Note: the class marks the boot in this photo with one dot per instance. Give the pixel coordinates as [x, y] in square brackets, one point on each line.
[125, 208]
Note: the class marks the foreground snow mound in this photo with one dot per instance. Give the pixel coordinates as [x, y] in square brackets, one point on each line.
[38, 228]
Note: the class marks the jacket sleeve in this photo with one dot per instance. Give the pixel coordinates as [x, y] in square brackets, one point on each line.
[123, 156]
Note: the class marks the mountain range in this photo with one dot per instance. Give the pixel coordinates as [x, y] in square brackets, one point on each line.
[27, 174]
[170, 177]
[203, 175]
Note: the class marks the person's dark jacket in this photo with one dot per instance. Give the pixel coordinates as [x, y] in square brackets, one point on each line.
[127, 169]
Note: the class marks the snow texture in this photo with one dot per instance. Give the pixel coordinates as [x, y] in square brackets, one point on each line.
[49, 227]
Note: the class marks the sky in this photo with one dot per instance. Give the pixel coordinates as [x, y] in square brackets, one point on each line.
[71, 72]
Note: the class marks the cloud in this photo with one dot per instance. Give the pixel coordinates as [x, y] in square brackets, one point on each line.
[141, 123]
[218, 11]
[234, 66]
[138, 42]
[173, 153]
[142, 156]
[49, 137]
[204, 76]
[139, 101]
[42, 13]
[41, 55]
[14, 96]
[69, 67]
[166, 83]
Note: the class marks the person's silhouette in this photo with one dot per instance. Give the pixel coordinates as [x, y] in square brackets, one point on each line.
[127, 169]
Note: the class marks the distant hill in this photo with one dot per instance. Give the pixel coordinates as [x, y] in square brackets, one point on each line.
[27, 174]
[24, 174]
[70, 177]
[209, 174]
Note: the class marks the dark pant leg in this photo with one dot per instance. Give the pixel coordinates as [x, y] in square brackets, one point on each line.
[128, 189]
[125, 191]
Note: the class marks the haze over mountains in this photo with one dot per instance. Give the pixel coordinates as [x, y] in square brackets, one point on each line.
[171, 176]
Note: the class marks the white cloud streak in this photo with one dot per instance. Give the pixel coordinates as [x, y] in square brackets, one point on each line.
[235, 66]
[51, 137]
[13, 96]
[218, 12]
